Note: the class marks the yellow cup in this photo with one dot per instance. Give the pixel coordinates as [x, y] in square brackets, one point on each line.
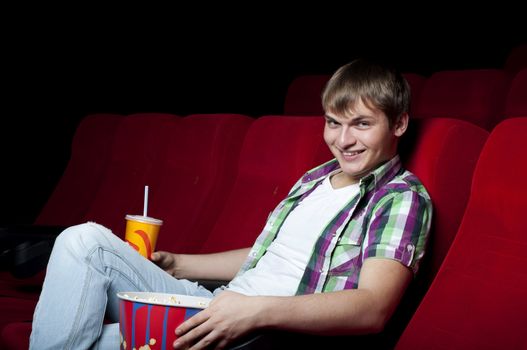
[141, 233]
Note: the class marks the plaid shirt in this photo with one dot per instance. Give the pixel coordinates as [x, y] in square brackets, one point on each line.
[389, 218]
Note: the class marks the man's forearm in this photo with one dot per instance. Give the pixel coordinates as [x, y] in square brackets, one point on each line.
[355, 311]
[216, 266]
[345, 312]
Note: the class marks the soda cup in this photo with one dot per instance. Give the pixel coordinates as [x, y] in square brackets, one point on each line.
[141, 233]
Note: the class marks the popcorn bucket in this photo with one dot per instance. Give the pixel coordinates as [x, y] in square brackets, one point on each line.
[149, 320]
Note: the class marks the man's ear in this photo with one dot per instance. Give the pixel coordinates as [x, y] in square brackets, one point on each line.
[401, 125]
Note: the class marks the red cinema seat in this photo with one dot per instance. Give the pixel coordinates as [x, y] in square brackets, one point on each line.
[416, 82]
[443, 152]
[73, 193]
[15, 311]
[516, 60]
[15, 336]
[477, 300]
[196, 177]
[138, 147]
[516, 102]
[303, 95]
[276, 152]
[89, 157]
[476, 96]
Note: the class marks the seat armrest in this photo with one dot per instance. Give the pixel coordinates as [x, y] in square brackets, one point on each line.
[34, 232]
[211, 284]
[26, 249]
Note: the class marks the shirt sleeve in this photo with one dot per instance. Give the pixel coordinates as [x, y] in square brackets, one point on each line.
[399, 228]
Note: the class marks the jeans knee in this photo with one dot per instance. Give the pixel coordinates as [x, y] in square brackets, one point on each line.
[82, 238]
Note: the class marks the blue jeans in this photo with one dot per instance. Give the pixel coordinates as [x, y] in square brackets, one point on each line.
[88, 266]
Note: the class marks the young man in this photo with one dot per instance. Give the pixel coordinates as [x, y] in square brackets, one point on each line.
[335, 256]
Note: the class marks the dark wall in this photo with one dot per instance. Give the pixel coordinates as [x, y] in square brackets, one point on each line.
[52, 78]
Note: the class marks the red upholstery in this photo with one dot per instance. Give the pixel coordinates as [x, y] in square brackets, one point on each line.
[14, 311]
[138, 147]
[15, 336]
[89, 157]
[276, 152]
[196, 177]
[516, 60]
[303, 95]
[478, 299]
[443, 155]
[416, 82]
[516, 102]
[476, 96]
[442, 152]
[26, 288]
[75, 190]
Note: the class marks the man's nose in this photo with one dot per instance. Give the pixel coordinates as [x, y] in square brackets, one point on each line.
[346, 138]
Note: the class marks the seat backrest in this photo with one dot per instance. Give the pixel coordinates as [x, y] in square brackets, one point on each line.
[442, 153]
[88, 160]
[139, 145]
[516, 60]
[516, 102]
[275, 153]
[477, 96]
[195, 178]
[303, 95]
[416, 82]
[477, 300]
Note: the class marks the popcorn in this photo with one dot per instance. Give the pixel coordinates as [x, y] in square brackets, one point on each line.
[169, 300]
[152, 342]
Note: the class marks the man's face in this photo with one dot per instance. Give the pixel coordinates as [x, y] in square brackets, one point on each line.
[361, 140]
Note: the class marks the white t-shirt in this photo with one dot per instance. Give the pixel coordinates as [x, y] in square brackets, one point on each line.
[280, 270]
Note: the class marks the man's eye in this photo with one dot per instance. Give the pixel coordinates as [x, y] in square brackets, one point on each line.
[331, 123]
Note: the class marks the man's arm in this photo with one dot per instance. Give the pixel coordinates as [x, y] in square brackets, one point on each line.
[363, 310]
[218, 266]
[357, 311]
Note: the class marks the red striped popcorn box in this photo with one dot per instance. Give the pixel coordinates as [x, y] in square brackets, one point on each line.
[149, 320]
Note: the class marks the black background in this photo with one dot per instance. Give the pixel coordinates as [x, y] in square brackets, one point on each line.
[58, 68]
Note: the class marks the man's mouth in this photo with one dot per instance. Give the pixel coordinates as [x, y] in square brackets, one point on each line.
[351, 153]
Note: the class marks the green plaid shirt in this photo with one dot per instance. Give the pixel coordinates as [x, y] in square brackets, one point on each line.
[389, 218]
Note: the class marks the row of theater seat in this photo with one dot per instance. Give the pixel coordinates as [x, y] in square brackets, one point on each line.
[215, 178]
[480, 96]
[203, 172]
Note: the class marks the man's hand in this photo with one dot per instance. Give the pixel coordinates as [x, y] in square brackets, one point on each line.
[216, 266]
[228, 317]
[166, 261]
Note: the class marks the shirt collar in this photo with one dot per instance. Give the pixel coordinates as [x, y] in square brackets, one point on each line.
[375, 179]
[382, 174]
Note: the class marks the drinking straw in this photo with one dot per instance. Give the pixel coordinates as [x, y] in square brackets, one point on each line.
[145, 205]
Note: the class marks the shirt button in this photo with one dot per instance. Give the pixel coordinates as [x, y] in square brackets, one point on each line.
[409, 247]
